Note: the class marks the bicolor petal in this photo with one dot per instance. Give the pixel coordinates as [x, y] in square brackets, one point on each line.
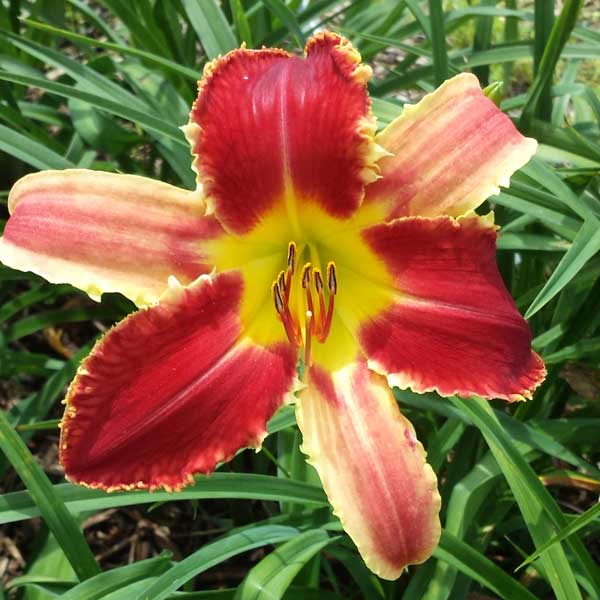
[105, 232]
[270, 131]
[453, 327]
[172, 390]
[371, 465]
[451, 151]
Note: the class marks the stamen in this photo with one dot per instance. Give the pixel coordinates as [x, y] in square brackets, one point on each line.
[331, 278]
[306, 272]
[308, 340]
[306, 275]
[318, 281]
[318, 324]
[281, 280]
[332, 285]
[277, 298]
[291, 257]
[291, 267]
[319, 287]
[285, 316]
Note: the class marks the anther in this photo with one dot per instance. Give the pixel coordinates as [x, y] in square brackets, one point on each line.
[316, 323]
[281, 281]
[291, 257]
[332, 285]
[291, 267]
[306, 272]
[306, 275]
[277, 299]
[285, 316]
[331, 278]
[318, 281]
[320, 321]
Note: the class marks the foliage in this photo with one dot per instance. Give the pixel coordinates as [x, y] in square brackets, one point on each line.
[105, 85]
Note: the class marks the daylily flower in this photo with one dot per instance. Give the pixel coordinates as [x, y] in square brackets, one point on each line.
[308, 238]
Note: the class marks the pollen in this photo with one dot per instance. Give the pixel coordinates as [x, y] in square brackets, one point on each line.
[314, 319]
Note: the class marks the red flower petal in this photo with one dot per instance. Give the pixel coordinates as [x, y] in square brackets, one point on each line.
[171, 391]
[104, 232]
[372, 467]
[454, 327]
[270, 129]
[450, 152]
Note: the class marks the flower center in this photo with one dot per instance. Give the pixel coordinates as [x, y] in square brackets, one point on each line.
[317, 317]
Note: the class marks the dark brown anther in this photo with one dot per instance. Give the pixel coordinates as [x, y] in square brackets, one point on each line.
[306, 275]
[291, 257]
[331, 278]
[318, 281]
[281, 281]
[277, 299]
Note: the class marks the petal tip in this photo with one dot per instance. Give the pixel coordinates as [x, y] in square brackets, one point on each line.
[346, 56]
[373, 468]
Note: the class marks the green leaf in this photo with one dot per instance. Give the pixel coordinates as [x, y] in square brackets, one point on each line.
[438, 41]
[50, 506]
[563, 26]
[145, 120]
[474, 564]
[271, 577]
[144, 31]
[420, 16]
[102, 584]
[241, 23]
[47, 565]
[576, 351]
[89, 79]
[31, 152]
[154, 59]
[17, 506]
[543, 21]
[585, 245]
[49, 425]
[540, 512]
[41, 320]
[212, 554]
[211, 26]
[578, 523]
[36, 294]
[287, 17]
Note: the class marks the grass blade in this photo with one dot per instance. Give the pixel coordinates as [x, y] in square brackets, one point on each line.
[17, 506]
[287, 17]
[102, 584]
[213, 554]
[211, 26]
[542, 515]
[145, 120]
[31, 152]
[271, 577]
[244, 32]
[475, 565]
[154, 59]
[543, 22]
[578, 523]
[438, 41]
[55, 514]
[585, 245]
[563, 26]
